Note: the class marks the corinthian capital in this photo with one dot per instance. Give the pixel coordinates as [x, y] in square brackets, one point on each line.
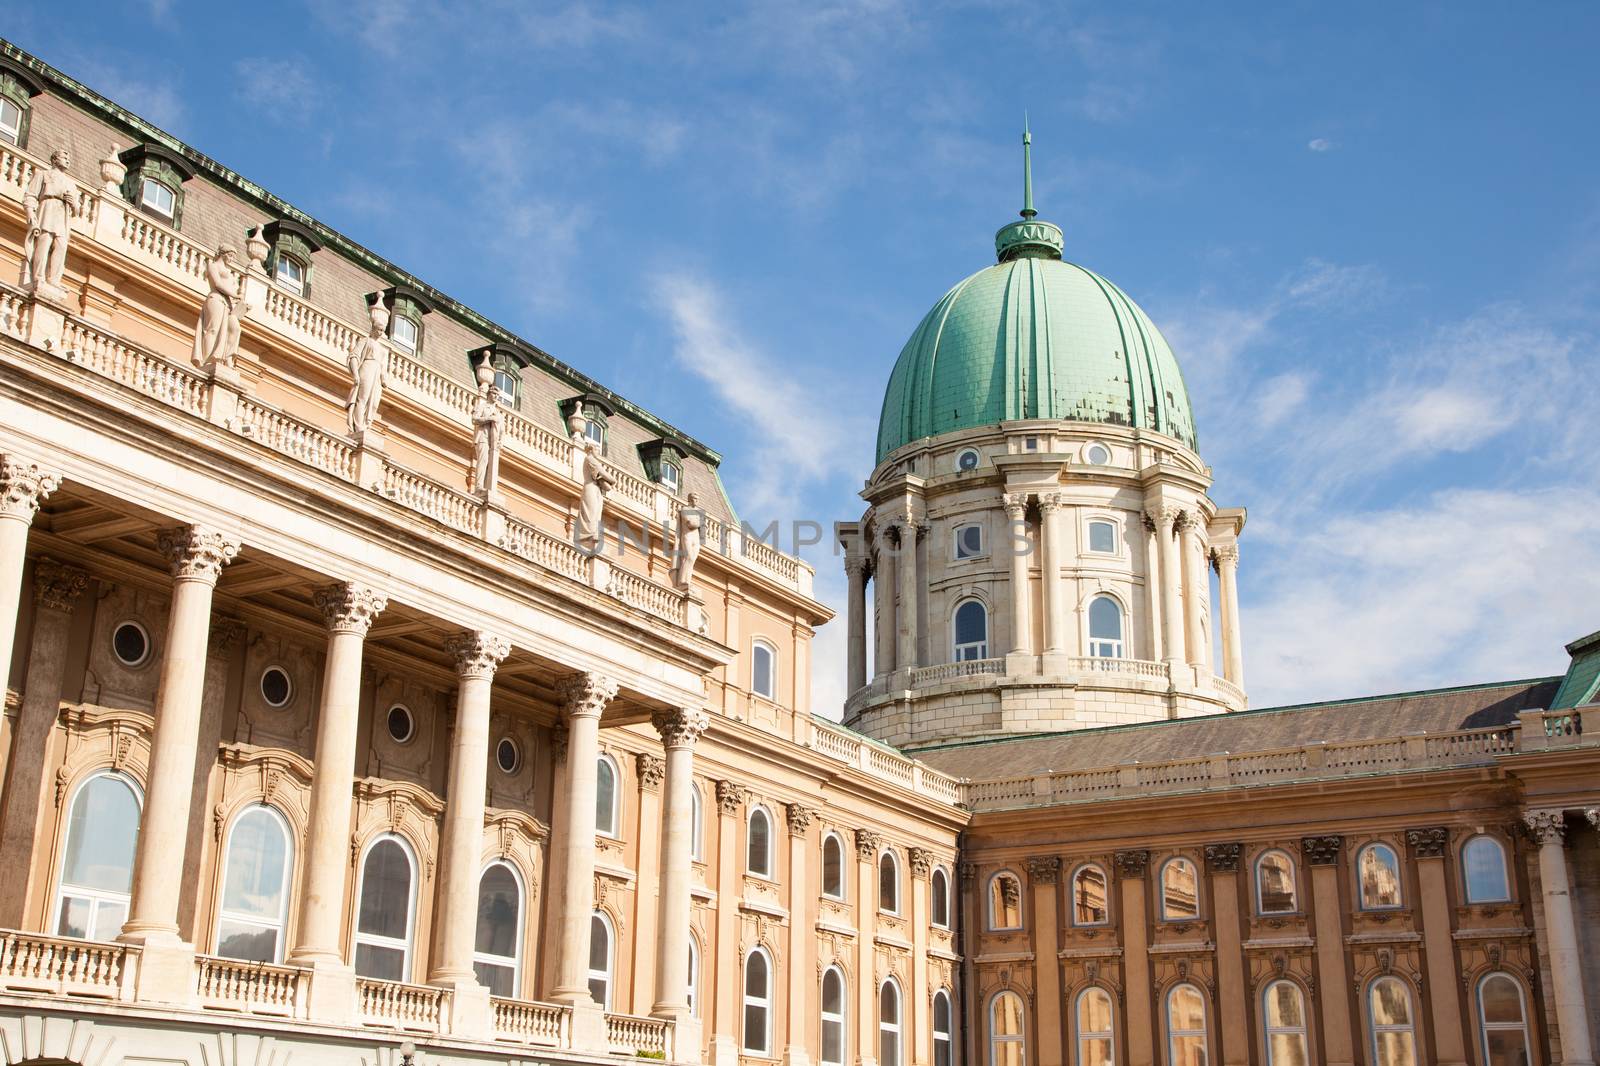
[1185, 522]
[868, 844]
[1016, 505]
[57, 585]
[1227, 555]
[855, 565]
[197, 553]
[348, 607]
[1162, 518]
[22, 486]
[1051, 501]
[921, 862]
[731, 796]
[681, 726]
[478, 654]
[1546, 827]
[800, 817]
[585, 695]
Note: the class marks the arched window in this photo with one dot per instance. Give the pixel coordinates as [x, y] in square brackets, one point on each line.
[833, 866]
[697, 824]
[943, 1030]
[1005, 1030]
[497, 948]
[833, 1007]
[939, 897]
[889, 1023]
[1096, 1037]
[1005, 901]
[764, 670]
[1284, 1019]
[757, 1003]
[606, 797]
[1186, 1027]
[1483, 866]
[1105, 628]
[1378, 877]
[1089, 896]
[255, 887]
[97, 865]
[1102, 536]
[758, 843]
[1503, 1019]
[1394, 1037]
[694, 976]
[1275, 889]
[889, 883]
[601, 954]
[388, 910]
[1180, 891]
[971, 631]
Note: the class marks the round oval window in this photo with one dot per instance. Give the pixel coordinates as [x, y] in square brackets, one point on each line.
[131, 644]
[276, 688]
[1098, 454]
[400, 724]
[507, 756]
[967, 460]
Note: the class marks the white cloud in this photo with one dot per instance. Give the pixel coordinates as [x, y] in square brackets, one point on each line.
[1321, 144]
[284, 88]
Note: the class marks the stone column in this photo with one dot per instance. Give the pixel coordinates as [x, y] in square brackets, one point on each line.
[1043, 873]
[919, 1004]
[1233, 1024]
[905, 629]
[349, 610]
[1164, 519]
[1566, 977]
[679, 730]
[966, 1035]
[23, 486]
[883, 588]
[731, 798]
[648, 827]
[868, 845]
[1333, 984]
[1052, 593]
[1428, 848]
[802, 937]
[1194, 584]
[197, 556]
[478, 655]
[56, 587]
[226, 634]
[1227, 558]
[1131, 869]
[1016, 504]
[1152, 587]
[855, 568]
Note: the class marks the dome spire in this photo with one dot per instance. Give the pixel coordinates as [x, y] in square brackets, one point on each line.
[1027, 170]
[1032, 238]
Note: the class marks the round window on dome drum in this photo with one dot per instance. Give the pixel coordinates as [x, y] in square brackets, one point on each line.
[130, 644]
[401, 726]
[1097, 454]
[276, 688]
[968, 459]
[507, 755]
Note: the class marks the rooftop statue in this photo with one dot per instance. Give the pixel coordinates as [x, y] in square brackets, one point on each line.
[216, 338]
[51, 201]
[690, 519]
[367, 362]
[597, 482]
[488, 428]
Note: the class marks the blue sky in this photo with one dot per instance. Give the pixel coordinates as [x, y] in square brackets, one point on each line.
[1370, 231]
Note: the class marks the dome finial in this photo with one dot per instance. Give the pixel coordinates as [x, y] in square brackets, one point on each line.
[1027, 170]
[1033, 237]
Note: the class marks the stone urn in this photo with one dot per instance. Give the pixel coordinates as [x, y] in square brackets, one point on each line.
[256, 247]
[485, 373]
[112, 171]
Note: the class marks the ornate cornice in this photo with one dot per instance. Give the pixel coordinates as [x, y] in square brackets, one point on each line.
[731, 796]
[652, 771]
[348, 607]
[800, 817]
[1321, 851]
[57, 585]
[868, 844]
[1223, 858]
[1428, 843]
[23, 486]
[585, 695]
[197, 553]
[680, 727]
[1044, 871]
[478, 654]
[1546, 827]
[1131, 864]
[921, 862]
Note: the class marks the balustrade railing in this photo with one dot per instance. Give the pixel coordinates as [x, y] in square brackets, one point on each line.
[32, 962]
[420, 1008]
[933, 675]
[524, 1022]
[648, 596]
[299, 440]
[14, 314]
[630, 1034]
[140, 370]
[545, 549]
[255, 987]
[439, 502]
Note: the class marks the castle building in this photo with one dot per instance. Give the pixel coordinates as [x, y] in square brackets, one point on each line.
[381, 689]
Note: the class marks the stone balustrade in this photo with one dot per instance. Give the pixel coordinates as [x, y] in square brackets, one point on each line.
[397, 1005]
[252, 987]
[57, 966]
[520, 1021]
[882, 762]
[629, 1034]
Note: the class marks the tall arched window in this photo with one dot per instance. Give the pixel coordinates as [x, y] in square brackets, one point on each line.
[1275, 888]
[97, 865]
[1180, 891]
[943, 1030]
[1105, 628]
[1284, 1019]
[1005, 1030]
[1378, 877]
[889, 883]
[833, 866]
[758, 843]
[764, 670]
[1005, 901]
[757, 1003]
[1096, 1037]
[833, 1008]
[255, 887]
[1483, 867]
[697, 824]
[694, 976]
[497, 947]
[889, 1023]
[1186, 1027]
[1503, 1019]
[1089, 896]
[1394, 1036]
[607, 797]
[387, 916]
[971, 628]
[601, 955]
[939, 897]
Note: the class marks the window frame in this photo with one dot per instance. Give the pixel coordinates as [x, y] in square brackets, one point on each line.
[1466, 870]
[1174, 1034]
[1399, 885]
[1072, 888]
[939, 909]
[511, 962]
[1082, 1036]
[948, 1036]
[1373, 1029]
[1089, 523]
[286, 889]
[764, 1003]
[1119, 646]
[694, 975]
[1485, 1027]
[357, 937]
[1161, 883]
[989, 901]
[1294, 883]
[759, 644]
[958, 554]
[841, 1018]
[996, 1038]
[146, 182]
[895, 1029]
[832, 836]
[12, 134]
[289, 284]
[607, 976]
[1268, 1030]
[697, 823]
[95, 895]
[888, 855]
[958, 649]
[395, 318]
[612, 831]
[770, 873]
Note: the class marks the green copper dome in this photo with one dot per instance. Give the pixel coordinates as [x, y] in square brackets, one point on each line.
[1033, 337]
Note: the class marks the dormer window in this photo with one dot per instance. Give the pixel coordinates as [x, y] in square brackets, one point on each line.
[291, 247]
[589, 416]
[290, 273]
[508, 363]
[154, 181]
[158, 199]
[406, 309]
[17, 90]
[10, 121]
[404, 333]
[670, 477]
[663, 462]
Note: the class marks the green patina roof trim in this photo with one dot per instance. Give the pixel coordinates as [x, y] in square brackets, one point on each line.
[79, 94]
[1581, 683]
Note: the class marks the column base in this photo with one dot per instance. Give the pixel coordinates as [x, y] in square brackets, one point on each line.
[685, 1041]
[589, 1028]
[1021, 664]
[1055, 663]
[331, 994]
[166, 965]
[795, 1055]
[724, 1052]
[471, 1013]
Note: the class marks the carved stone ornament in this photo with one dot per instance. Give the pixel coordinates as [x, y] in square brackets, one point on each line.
[197, 553]
[1593, 814]
[585, 695]
[1428, 843]
[1228, 554]
[856, 566]
[1186, 522]
[921, 862]
[731, 796]
[225, 635]
[22, 487]
[800, 817]
[1223, 858]
[681, 726]
[348, 607]
[969, 872]
[1016, 505]
[1163, 518]
[57, 585]
[488, 434]
[1321, 851]
[868, 844]
[1132, 864]
[1044, 871]
[559, 735]
[216, 335]
[1052, 501]
[589, 531]
[478, 654]
[652, 770]
[1546, 827]
[690, 519]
